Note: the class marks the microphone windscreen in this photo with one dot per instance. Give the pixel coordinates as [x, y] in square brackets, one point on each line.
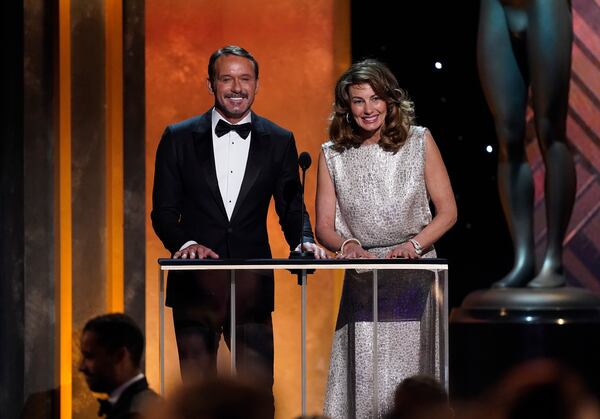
[304, 160]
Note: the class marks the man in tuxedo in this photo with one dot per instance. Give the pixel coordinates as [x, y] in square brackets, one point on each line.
[111, 354]
[214, 178]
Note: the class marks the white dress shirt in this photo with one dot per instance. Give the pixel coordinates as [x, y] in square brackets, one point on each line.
[231, 155]
[116, 393]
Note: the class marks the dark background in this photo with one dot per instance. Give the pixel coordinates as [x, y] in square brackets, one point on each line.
[410, 37]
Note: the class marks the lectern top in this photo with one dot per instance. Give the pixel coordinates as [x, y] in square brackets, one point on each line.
[244, 264]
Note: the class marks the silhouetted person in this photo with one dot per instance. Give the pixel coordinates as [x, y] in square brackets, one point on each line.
[219, 398]
[421, 397]
[111, 354]
[539, 389]
[522, 44]
[42, 405]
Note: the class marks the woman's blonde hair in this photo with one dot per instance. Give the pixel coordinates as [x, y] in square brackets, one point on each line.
[343, 131]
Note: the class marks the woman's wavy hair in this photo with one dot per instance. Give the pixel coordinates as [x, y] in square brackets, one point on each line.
[343, 131]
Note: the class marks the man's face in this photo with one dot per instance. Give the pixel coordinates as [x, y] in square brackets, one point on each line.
[234, 87]
[97, 364]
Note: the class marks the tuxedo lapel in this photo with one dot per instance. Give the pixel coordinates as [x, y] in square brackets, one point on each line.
[122, 408]
[206, 158]
[256, 160]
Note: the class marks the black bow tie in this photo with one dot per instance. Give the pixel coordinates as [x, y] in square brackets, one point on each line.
[223, 128]
[105, 407]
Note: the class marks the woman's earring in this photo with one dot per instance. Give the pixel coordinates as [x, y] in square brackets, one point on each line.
[348, 118]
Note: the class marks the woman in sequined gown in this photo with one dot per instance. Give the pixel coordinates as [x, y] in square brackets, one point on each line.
[376, 177]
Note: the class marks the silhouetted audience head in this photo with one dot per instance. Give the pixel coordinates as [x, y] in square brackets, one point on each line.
[220, 398]
[111, 351]
[421, 397]
[540, 389]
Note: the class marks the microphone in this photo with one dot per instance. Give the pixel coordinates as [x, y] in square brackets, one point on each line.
[304, 161]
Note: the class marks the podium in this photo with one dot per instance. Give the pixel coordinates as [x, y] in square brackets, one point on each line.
[431, 322]
[496, 330]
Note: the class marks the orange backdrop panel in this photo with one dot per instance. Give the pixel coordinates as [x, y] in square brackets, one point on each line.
[301, 47]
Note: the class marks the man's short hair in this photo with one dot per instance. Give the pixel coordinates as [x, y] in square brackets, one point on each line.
[222, 397]
[117, 330]
[416, 393]
[229, 50]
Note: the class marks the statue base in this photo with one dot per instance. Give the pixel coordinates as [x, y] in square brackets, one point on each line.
[496, 329]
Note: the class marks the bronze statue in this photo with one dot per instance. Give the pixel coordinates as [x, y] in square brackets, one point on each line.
[523, 44]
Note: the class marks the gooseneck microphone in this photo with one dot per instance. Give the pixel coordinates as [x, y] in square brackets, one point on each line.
[304, 161]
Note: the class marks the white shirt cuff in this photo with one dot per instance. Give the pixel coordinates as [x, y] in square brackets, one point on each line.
[188, 243]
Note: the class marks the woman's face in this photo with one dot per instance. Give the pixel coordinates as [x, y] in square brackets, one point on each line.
[368, 109]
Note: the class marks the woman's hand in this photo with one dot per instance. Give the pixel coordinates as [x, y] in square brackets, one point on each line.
[355, 251]
[405, 250]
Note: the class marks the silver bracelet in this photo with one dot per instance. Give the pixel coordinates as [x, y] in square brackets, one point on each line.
[341, 251]
[417, 246]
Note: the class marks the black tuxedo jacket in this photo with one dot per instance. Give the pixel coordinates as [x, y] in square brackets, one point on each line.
[137, 400]
[187, 203]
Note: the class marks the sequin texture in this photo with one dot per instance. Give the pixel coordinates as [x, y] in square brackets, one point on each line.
[382, 201]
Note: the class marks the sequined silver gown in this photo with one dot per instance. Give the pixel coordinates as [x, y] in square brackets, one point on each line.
[382, 201]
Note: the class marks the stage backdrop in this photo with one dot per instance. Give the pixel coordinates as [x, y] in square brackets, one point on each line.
[302, 47]
[78, 154]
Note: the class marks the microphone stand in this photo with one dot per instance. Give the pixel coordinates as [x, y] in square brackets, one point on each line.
[294, 254]
[302, 281]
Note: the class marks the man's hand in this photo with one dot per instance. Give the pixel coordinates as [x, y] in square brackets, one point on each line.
[195, 251]
[319, 252]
